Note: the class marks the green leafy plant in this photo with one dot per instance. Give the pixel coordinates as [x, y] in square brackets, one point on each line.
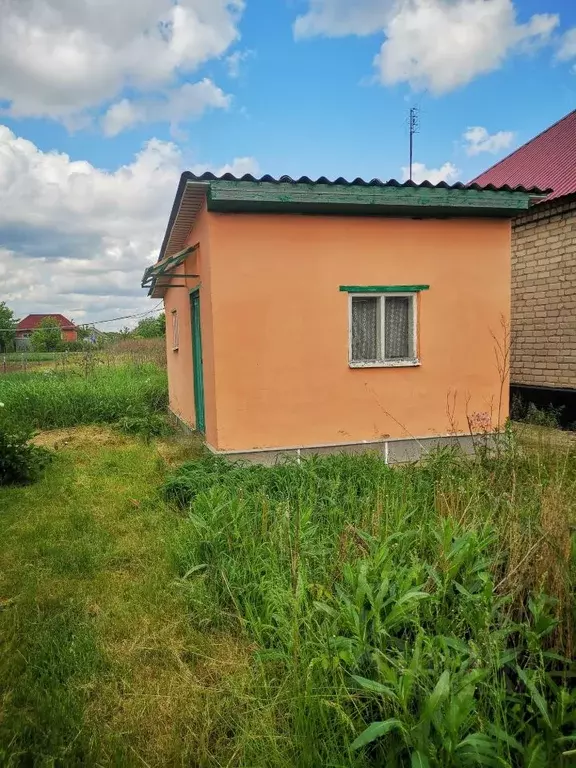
[151, 327]
[543, 417]
[529, 413]
[21, 461]
[7, 328]
[400, 616]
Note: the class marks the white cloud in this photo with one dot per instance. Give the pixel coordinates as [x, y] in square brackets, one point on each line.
[188, 102]
[447, 172]
[477, 140]
[438, 45]
[238, 167]
[338, 18]
[75, 237]
[567, 49]
[235, 61]
[431, 44]
[59, 58]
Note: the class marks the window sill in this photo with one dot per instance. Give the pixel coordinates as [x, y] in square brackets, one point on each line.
[388, 364]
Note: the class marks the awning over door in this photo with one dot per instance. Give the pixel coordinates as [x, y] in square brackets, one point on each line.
[158, 277]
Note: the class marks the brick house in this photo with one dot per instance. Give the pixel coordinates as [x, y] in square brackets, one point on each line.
[543, 367]
[29, 324]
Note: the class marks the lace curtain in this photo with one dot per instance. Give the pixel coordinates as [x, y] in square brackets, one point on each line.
[365, 329]
[397, 327]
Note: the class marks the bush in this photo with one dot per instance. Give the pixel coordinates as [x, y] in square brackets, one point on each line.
[543, 417]
[529, 413]
[20, 460]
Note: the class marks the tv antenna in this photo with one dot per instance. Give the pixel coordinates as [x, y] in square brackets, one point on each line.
[414, 125]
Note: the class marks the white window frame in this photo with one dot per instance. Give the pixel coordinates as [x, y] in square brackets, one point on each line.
[409, 362]
[175, 330]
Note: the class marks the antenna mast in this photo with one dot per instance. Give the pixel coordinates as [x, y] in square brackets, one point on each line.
[414, 123]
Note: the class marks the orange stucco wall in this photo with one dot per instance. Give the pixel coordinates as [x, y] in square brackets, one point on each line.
[275, 327]
[180, 370]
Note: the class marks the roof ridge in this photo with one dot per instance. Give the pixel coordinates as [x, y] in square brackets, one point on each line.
[522, 146]
[359, 182]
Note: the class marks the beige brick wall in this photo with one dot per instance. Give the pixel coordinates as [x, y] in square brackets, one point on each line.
[544, 296]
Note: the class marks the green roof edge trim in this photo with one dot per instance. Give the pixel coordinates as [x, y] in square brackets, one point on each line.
[383, 288]
[226, 195]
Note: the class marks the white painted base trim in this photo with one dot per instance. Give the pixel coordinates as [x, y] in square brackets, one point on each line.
[394, 450]
[322, 446]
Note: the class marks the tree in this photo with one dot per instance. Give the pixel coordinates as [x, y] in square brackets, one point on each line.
[7, 328]
[47, 337]
[151, 327]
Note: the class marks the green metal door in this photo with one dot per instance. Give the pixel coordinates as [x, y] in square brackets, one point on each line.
[197, 361]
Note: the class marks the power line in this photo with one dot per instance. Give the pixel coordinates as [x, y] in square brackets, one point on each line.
[111, 320]
[116, 319]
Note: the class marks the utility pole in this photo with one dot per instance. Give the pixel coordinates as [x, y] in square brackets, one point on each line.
[414, 124]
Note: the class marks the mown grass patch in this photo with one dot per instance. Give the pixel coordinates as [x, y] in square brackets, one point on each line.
[100, 663]
[53, 400]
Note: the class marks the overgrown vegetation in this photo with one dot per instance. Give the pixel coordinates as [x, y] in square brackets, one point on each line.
[333, 612]
[88, 394]
[413, 616]
[21, 461]
[151, 327]
[529, 413]
[146, 427]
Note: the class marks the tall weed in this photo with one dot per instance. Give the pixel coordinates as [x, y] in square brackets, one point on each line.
[53, 400]
[413, 616]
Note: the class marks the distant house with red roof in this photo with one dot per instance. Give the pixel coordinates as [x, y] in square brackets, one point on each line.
[31, 323]
[544, 267]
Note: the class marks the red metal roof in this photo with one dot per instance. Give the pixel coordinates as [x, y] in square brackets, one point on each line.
[31, 322]
[547, 161]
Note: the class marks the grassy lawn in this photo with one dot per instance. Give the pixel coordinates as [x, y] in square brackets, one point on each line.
[100, 663]
[161, 607]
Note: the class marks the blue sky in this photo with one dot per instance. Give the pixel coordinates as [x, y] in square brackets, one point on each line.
[100, 117]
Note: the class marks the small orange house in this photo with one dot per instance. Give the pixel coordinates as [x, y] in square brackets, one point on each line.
[318, 316]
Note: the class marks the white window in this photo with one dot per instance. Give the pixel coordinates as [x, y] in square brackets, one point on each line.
[175, 330]
[383, 330]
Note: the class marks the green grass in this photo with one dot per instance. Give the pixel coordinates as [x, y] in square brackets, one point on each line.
[99, 661]
[268, 617]
[52, 400]
[414, 616]
[31, 357]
